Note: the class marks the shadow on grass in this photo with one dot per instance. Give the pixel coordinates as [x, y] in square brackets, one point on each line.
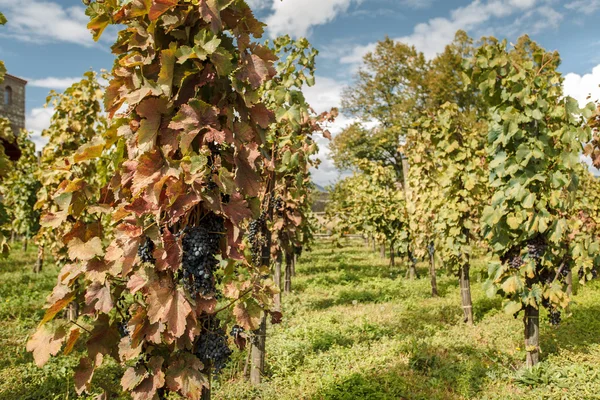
[432, 373]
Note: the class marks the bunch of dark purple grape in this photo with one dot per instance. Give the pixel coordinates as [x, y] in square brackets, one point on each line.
[254, 237]
[279, 206]
[536, 247]
[553, 314]
[513, 258]
[212, 346]
[200, 244]
[145, 251]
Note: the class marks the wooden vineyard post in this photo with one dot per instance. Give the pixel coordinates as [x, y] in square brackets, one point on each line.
[411, 272]
[37, 268]
[465, 293]
[532, 334]
[258, 352]
[382, 250]
[432, 274]
[288, 272]
[392, 255]
[277, 278]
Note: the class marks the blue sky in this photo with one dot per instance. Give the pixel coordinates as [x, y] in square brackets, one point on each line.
[46, 41]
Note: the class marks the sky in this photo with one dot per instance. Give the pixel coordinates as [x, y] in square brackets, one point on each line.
[47, 43]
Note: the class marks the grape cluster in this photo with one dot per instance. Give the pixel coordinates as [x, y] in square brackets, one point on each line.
[200, 244]
[513, 258]
[145, 251]
[581, 273]
[212, 347]
[236, 330]
[122, 328]
[431, 248]
[254, 237]
[279, 206]
[554, 317]
[553, 314]
[536, 247]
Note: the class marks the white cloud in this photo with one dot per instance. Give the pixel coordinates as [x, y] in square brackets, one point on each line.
[37, 120]
[258, 4]
[53, 83]
[585, 6]
[432, 36]
[580, 87]
[296, 17]
[41, 21]
[418, 3]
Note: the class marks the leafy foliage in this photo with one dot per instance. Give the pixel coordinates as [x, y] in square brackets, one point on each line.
[371, 202]
[187, 145]
[19, 190]
[534, 142]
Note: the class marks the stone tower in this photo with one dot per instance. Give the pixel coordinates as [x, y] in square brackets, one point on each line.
[12, 101]
[12, 107]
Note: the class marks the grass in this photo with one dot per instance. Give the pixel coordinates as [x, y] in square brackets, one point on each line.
[353, 329]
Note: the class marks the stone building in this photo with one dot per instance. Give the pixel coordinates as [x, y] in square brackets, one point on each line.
[12, 101]
[12, 107]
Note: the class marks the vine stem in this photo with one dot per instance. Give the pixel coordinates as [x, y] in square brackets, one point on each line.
[75, 323]
[234, 301]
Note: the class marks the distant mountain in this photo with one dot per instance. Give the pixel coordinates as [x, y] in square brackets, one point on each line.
[320, 188]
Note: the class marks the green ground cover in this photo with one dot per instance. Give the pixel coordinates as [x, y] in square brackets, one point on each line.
[353, 329]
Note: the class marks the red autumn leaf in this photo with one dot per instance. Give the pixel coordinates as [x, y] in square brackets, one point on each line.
[169, 255]
[237, 209]
[169, 306]
[210, 12]
[99, 296]
[262, 115]
[191, 119]
[147, 171]
[127, 351]
[133, 376]
[148, 387]
[276, 317]
[206, 306]
[46, 342]
[159, 7]
[84, 373]
[246, 177]
[151, 110]
[84, 251]
[257, 68]
[184, 375]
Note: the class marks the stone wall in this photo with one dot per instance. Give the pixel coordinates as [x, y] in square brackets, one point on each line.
[12, 101]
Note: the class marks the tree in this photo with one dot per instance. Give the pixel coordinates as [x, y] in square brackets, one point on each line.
[534, 140]
[19, 191]
[188, 173]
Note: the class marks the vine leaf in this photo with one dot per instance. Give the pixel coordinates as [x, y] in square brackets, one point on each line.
[184, 375]
[159, 7]
[98, 295]
[169, 306]
[45, 343]
[56, 307]
[237, 209]
[79, 250]
[248, 314]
